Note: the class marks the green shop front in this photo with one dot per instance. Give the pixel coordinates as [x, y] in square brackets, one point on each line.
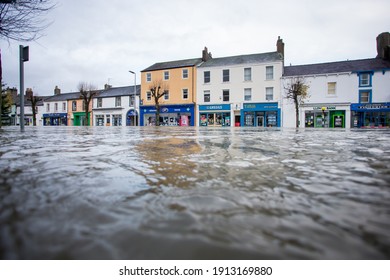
[260, 114]
[325, 115]
[79, 118]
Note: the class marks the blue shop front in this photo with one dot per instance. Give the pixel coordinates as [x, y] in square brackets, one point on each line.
[55, 119]
[370, 115]
[170, 115]
[214, 115]
[260, 114]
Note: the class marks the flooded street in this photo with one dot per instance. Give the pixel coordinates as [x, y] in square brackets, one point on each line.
[194, 193]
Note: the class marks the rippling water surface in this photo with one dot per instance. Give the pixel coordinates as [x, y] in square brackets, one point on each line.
[194, 193]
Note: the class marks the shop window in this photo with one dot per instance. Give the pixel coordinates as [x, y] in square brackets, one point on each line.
[365, 80]
[248, 94]
[269, 93]
[206, 96]
[365, 96]
[185, 73]
[226, 75]
[332, 88]
[247, 74]
[269, 72]
[206, 77]
[225, 95]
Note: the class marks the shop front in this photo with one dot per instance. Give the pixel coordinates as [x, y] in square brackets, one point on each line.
[170, 115]
[214, 115]
[372, 115]
[260, 114]
[132, 118]
[55, 119]
[327, 116]
[79, 118]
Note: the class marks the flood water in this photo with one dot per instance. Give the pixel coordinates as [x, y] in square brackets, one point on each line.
[194, 193]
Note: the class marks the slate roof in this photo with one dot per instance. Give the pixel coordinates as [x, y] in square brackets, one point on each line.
[373, 64]
[119, 91]
[28, 102]
[173, 64]
[63, 97]
[243, 59]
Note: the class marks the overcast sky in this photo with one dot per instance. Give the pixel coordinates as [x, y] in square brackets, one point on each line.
[99, 41]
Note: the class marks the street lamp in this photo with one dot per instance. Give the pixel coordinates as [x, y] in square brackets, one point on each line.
[135, 98]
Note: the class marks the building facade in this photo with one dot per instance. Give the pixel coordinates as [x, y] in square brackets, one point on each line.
[116, 106]
[343, 94]
[178, 78]
[241, 90]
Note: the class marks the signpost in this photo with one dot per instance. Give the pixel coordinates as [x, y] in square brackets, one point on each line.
[24, 56]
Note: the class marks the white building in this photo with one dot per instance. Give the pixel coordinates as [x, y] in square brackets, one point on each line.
[28, 109]
[240, 90]
[353, 93]
[117, 107]
[55, 108]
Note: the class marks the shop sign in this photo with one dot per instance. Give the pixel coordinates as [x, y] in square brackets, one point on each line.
[260, 106]
[219, 107]
[324, 108]
[372, 106]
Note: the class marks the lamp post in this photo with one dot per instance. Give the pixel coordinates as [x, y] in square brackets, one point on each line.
[23, 56]
[135, 98]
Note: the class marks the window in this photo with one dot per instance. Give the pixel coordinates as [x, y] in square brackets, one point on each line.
[131, 100]
[185, 74]
[117, 101]
[63, 106]
[225, 95]
[166, 95]
[206, 96]
[148, 96]
[365, 96]
[185, 93]
[226, 75]
[365, 80]
[332, 88]
[269, 72]
[99, 102]
[55, 107]
[247, 74]
[148, 77]
[74, 106]
[48, 107]
[248, 94]
[206, 75]
[269, 93]
[166, 75]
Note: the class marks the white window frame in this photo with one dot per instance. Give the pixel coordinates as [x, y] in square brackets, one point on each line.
[148, 95]
[269, 93]
[247, 74]
[206, 93]
[166, 75]
[148, 77]
[332, 88]
[185, 74]
[166, 95]
[269, 73]
[247, 94]
[185, 91]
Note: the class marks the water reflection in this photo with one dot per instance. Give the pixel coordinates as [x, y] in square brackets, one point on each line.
[194, 193]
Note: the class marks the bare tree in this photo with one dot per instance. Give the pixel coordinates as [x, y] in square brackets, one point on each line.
[158, 90]
[296, 90]
[22, 20]
[34, 102]
[87, 92]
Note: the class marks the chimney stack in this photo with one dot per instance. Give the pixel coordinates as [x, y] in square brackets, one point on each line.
[29, 93]
[206, 55]
[383, 45]
[57, 91]
[107, 86]
[280, 46]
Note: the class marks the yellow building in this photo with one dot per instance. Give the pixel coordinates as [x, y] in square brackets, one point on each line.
[178, 80]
